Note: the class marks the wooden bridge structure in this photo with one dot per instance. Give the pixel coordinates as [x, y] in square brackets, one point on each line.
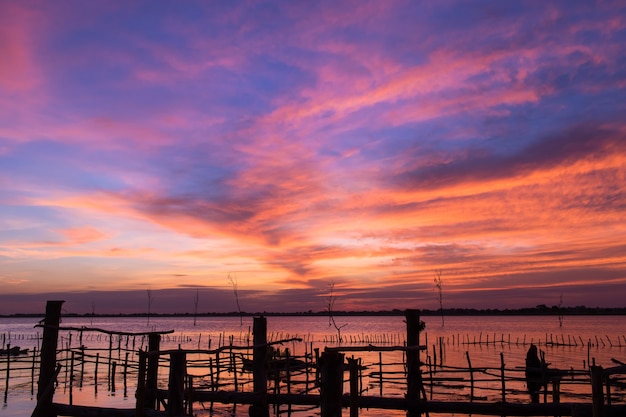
[326, 376]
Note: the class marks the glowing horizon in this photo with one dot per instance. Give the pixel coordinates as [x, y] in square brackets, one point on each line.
[293, 145]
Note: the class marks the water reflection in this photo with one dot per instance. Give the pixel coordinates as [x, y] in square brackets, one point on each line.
[485, 342]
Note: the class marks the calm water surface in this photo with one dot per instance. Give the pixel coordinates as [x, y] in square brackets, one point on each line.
[591, 339]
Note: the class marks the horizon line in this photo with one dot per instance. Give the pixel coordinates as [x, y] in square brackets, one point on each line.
[537, 310]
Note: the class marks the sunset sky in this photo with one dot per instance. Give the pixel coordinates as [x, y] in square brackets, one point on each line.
[157, 147]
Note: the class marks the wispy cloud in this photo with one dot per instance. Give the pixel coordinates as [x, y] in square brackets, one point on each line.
[367, 144]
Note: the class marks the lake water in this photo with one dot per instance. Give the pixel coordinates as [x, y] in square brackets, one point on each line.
[486, 341]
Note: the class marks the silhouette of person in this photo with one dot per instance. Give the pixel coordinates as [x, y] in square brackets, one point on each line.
[533, 373]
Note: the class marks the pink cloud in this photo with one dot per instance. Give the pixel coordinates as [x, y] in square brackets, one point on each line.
[19, 71]
[82, 235]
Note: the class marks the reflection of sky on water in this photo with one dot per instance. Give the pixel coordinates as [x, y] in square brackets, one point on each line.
[363, 330]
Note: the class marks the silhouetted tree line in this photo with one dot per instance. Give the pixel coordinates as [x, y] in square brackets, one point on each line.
[541, 309]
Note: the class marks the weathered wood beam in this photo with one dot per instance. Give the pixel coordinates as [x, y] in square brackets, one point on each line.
[90, 411]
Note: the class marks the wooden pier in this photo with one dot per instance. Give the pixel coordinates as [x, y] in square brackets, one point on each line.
[275, 378]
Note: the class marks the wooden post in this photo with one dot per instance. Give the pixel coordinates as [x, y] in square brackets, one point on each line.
[47, 366]
[430, 377]
[217, 367]
[110, 360]
[213, 385]
[556, 390]
[471, 371]
[140, 396]
[597, 393]
[190, 394]
[331, 385]
[82, 361]
[317, 368]
[154, 341]
[441, 351]
[6, 389]
[414, 374]
[502, 377]
[176, 388]
[354, 387]
[259, 367]
[233, 365]
[32, 372]
[307, 361]
[72, 379]
[125, 373]
[380, 371]
[95, 373]
[112, 384]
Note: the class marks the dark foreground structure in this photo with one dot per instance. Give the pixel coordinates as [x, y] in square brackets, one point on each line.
[328, 372]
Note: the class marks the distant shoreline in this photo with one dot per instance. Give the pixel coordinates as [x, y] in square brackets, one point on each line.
[532, 311]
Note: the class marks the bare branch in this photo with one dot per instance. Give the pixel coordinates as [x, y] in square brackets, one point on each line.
[149, 304]
[439, 287]
[195, 307]
[233, 282]
[330, 302]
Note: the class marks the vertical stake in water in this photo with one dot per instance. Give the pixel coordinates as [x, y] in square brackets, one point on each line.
[190, 392]
[176, 388]
[354, 387]
[140, 396]
[125, 375]
[95, 373]
[414, 375]
[112, 383]
[380, 371]
[110, 359]
[502, 377]
[72, 379]
[154, 341]
[47, 365]
[471, 372]
[331, 384]
[6, 389]
[597, 394]
[32, 372]
[259, 370]
[82, 363]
